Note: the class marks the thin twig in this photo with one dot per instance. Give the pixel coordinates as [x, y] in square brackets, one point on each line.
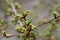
[8, 36]
[48, 21]
[14, 10]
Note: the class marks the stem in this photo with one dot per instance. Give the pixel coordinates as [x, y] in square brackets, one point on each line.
[14, 10]
[8, 36]
[47, 21]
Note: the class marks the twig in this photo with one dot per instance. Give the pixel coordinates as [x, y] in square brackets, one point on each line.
[14, 10]
[8, 36]
[48, 21]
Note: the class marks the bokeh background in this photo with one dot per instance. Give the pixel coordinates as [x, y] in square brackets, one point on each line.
[39, 10]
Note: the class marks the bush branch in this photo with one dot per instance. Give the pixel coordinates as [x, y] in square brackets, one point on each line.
[48, 21]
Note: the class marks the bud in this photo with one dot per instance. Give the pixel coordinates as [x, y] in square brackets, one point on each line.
[17, 6]
[17, 28]
[34, 27]
[21, 35]
[9, 9]
[44, 20]
[55, 14]
[4, 33]
[26, 12]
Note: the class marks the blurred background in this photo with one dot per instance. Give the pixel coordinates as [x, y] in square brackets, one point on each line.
[39, 10]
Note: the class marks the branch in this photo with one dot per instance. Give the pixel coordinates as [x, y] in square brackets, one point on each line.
[8, 36]
[48, 21]
[14, 10]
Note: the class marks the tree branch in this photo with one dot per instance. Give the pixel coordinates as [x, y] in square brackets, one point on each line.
[8, 36]
[48, 21]
[14, 10]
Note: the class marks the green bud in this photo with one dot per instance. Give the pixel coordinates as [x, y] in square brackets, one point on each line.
[55, 14]
[34, 27]
[9, 9]
[17, 28]
[27, 12]
[17, 5]
[4, 32]
[18, 15]
[33, 34]
[8, 14]
[22, 29]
